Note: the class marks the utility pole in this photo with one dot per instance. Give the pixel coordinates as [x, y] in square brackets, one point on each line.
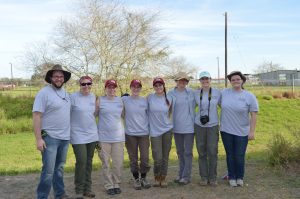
[225, 49]
[11, 75]
[218, 71]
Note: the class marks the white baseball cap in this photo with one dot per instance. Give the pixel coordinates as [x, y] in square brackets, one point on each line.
[204, 74]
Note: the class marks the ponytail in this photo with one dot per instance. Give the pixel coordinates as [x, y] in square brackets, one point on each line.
[167, 101]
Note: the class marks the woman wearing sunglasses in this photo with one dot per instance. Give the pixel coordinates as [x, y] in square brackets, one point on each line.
[111, 137]
[207, 129]
[137, 134]
[160, 131]
[84, 136]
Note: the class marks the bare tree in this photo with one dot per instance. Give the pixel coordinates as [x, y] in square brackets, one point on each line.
[108, 41]
[268, 67]
[177, 64]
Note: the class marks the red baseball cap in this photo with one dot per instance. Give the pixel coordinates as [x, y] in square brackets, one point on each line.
[158, 80]
[111, 82]
[135, 82]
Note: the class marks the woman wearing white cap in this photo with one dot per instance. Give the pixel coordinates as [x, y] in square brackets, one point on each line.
[207, 129]
[238, 122]
[183, 116]
[111, 137]
[84, 136]
[160, 131]
[137, 134]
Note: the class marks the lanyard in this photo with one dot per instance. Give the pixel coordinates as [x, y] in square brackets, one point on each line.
[209, 98]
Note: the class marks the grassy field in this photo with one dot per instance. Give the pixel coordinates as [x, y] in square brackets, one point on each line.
[18, 153]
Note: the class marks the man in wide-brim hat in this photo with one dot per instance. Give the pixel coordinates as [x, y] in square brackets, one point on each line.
[51, 121]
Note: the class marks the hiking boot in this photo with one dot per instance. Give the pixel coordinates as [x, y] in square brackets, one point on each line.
[137, 184]
[156, 181]
[203, 182]
[117, 190]
[163, 182]
[110, 192]
[145, 183]
[89, 194]
[79, 196]
[183, 181]
[176, 180]
[65, 196]
[232, 183]
[240, 182]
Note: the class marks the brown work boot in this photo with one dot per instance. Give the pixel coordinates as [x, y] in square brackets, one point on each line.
[163, 182]
[157, 180]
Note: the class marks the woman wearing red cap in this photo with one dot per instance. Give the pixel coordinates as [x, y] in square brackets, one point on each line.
[160, 131]
[84, 136]
[137, 134]
[111, 137]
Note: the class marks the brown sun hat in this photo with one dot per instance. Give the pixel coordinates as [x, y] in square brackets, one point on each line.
[57, 67]
[239, 73]
[181, 76]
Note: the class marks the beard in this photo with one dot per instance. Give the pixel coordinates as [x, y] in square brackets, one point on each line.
[57, 86]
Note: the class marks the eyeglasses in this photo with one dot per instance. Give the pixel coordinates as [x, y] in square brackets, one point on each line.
[84, 84]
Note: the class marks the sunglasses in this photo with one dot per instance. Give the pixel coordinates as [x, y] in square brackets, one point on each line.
[84, 84]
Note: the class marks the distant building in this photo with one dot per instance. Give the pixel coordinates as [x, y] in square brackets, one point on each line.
[279, 78]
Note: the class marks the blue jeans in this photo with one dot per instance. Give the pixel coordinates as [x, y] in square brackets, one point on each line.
[184, 147]
[235, 147]
[54, 158]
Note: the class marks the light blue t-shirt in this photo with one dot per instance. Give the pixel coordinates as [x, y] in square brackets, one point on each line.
[159, 120]
[83, 124]
[182, 118]
[203, 107]
[110, 126]
[136, 117]
[236, 107]
[55, 106]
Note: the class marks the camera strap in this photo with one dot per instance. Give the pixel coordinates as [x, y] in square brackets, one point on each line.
[209, 98]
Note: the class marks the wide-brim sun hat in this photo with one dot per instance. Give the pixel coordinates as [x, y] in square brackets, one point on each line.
[182, 76]
[239, 73]
[204, 74]
[111, 82]
[158, 80]
[57, 67]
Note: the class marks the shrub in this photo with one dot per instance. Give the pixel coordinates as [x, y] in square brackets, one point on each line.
[277, 95]
[284, 152]
[267, 97]
[289, 95]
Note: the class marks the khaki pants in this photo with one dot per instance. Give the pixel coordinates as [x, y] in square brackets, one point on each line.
[115, 153]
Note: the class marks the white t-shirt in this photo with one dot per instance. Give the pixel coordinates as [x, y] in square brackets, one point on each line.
[55, 106]
[159, 120]
[83, 124]
[110, 126]
[236, 107]
[136, 117]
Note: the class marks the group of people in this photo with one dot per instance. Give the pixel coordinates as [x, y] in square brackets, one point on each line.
[60, 119]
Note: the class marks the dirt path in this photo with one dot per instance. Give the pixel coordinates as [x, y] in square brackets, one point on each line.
[261, 183]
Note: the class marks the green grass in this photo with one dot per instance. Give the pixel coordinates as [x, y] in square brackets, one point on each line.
[19, 155]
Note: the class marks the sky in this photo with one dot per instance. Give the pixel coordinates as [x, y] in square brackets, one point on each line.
[259, 31]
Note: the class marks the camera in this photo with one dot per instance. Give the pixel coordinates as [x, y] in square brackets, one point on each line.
[204, 119]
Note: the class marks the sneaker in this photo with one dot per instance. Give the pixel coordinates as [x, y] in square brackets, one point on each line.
[110, 192]
[89, 194]
[176, 180]
[137, 184]
[183, 181]
[117, 190]
[203, 182]
[240, 182]
[213, 183]
[232, 183]
[65, 196]
[145, 183]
